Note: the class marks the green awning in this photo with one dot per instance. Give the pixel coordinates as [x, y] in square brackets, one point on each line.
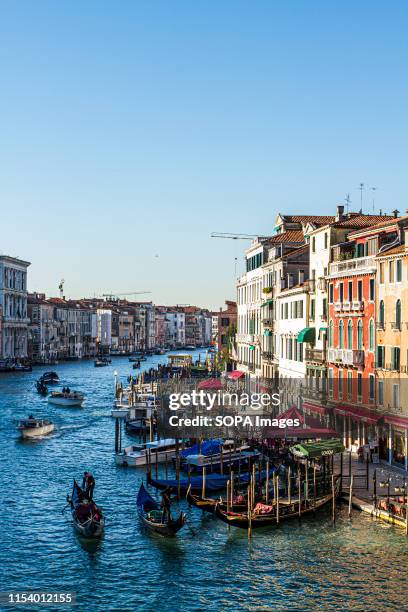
[325, 448]
[307, 335]
[267, 332]
[323, 329]
[267, 303]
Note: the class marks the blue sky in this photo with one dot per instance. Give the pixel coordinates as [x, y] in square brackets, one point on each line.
[130, 131]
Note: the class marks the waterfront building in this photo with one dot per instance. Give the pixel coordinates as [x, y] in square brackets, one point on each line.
[43, 340]
[160, 326]
[102, 329]
[175, 331]
[226, 326]
[13, 300]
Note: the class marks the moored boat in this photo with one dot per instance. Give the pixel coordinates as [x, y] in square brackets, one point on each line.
[35, 428]
[87, 517]
[264, 515]
[100, 363]
[157, 517]
[139, 455]
[239, 503]
[67, 398]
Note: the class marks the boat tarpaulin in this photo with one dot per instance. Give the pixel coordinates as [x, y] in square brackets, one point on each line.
[235, 374]
[208, 447]
[308, 334]
[314, 450]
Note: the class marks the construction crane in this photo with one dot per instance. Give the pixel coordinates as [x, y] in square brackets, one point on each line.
[111, 296]
[237, 236]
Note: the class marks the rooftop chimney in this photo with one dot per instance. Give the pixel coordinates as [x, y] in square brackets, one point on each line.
[395, 213]
[340, 213]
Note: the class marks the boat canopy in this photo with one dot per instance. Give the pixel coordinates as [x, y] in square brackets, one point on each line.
[313, 450]
[307, 334]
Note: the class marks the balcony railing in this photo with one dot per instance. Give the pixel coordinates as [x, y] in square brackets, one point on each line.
[357, 305]
[248, 338]
[267, 322]
[396, 325]
[268, 355]
[318, 355]
[337, 306]
[349, 357]
[358, 264]
[380, 325]
[346, 305]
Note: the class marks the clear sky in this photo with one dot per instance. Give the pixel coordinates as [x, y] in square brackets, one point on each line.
[131, 130]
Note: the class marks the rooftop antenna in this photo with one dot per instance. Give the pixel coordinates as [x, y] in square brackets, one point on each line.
[373, 189]
[348, 202]
[361, 188]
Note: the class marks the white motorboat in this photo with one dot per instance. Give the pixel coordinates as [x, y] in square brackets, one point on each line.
[71, 398]
[35, 428]
[139, 455]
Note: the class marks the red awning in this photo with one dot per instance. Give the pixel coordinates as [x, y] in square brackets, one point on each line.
[209, 383]
[235, 374]
[358, 412]
[314, 408]
[399, 421]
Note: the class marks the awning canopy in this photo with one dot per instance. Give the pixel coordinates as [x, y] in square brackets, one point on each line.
[314, 408]
[235, 374]
[307, 335]
[267, 332]
[267, 303]
[364, 414]
[209, 383]
[398, 421]
[313, 450]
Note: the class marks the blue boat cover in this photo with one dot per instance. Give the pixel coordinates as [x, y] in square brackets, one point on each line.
[213, 482]
[146, 501]
[208, 447]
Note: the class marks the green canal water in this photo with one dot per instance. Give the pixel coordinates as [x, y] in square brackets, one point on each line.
[313, 565]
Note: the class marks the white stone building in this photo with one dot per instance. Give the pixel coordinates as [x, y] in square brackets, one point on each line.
[13, 301]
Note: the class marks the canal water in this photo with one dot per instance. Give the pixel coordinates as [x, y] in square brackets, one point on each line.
[354, 565]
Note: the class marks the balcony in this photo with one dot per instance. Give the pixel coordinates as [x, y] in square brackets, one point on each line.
[357, 305]
[380, 326]
[267, 322]
[352, 266]
[268, 355]
[396, 325]
[318, 355]
[346, 306]
[337, 306]
[246, 338]
[349, 357]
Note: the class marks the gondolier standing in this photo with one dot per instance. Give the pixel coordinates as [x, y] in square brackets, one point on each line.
[88, 485]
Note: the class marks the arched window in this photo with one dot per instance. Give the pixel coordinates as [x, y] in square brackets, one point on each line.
[360, 335]
[381, 314]
[398, 314]
[371, 335]
[330, 334]
[341, 334]
[350, 334]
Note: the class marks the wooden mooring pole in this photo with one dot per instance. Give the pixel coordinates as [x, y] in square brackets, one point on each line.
[350, 495]
[333, 499]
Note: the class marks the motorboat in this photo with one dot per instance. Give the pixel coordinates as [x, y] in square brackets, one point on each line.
[49, 378]
[139, 455]
[66, 398]
[35, 428]
[100, 363]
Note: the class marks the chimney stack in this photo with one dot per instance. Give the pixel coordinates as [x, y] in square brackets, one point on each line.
[395, 213]
[340, 213]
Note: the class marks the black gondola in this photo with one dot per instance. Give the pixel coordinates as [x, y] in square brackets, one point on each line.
[41, 387]
[208, 504]
[155, 517]
[87, 517]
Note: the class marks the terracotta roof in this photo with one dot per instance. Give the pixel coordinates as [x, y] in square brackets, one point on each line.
[316, 219]
[386, 222]
[394, 251]
[363, 221]
[289, 236]
[302, 249]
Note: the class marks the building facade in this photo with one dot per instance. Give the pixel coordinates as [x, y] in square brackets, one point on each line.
[13, 302]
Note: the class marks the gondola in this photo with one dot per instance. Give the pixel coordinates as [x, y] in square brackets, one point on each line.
[41, 387]
[213, 482]
[208, 504]
[156, 518]
[266, 515]
[87, 517]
